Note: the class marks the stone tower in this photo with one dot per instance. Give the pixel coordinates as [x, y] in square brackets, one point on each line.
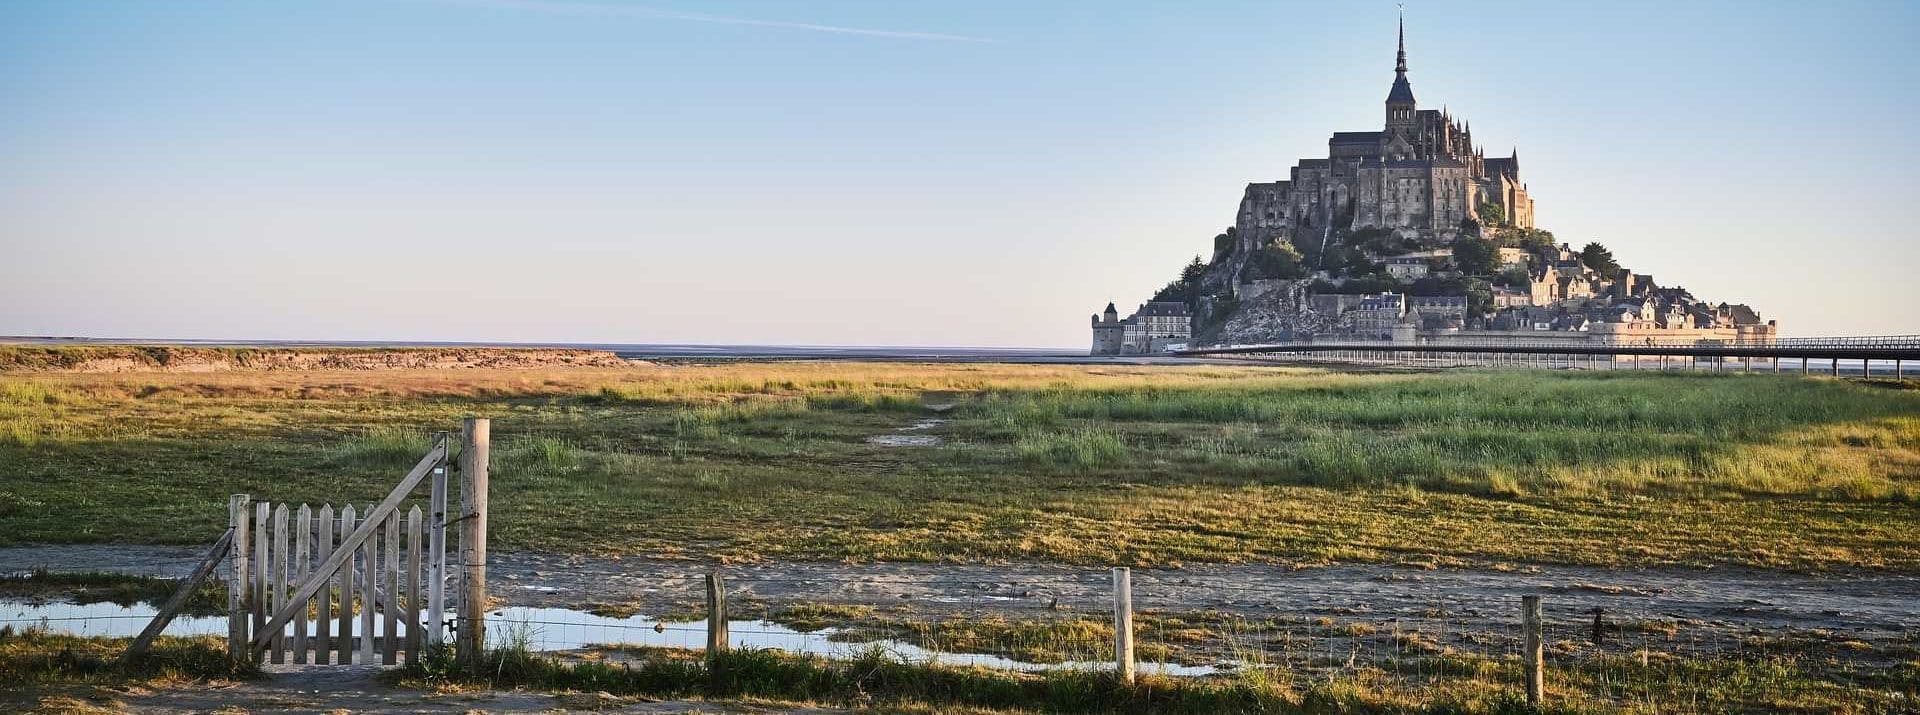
[1108, 332]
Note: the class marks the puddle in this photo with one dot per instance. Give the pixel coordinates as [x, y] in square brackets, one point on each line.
[910, 440]
[554, 629]
[904, 440]
[565, 629]
[101, 619]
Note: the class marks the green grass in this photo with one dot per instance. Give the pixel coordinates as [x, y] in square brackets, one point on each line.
[1074, 464]
[36, 657]
[875, 678]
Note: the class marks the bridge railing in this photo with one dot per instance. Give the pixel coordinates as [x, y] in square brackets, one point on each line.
[1888, 342]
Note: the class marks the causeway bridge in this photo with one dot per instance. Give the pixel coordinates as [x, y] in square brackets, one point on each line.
[1870, 355]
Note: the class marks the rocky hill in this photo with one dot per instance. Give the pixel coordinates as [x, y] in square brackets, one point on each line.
[1503, 277]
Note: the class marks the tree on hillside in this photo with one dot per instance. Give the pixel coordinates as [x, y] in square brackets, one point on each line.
[1187, 287]
[1191, 274]
[1515, 276]
[1491, 214]
[1532, 239]
[1600, 259]
[1476, 256]
[1275, 260]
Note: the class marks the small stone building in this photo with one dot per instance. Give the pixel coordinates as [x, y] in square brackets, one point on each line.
[1150, 329]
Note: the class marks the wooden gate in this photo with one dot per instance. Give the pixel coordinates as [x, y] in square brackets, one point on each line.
[356, 586]
[374, 583]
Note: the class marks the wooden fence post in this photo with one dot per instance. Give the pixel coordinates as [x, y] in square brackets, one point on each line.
[1123, 623]
[237, 625]
[717, 639]
[1534, 656]
[472, 635]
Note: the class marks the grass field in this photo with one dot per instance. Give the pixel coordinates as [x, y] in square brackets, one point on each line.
[1077, 464]
[875, 679]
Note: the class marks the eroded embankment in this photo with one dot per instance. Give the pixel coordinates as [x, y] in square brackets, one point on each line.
[167, 358]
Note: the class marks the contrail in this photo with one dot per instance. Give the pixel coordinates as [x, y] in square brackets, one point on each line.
[589, 8]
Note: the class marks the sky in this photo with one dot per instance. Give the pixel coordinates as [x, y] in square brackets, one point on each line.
[979, 173]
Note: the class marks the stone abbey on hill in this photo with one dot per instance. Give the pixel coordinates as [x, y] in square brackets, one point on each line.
[1409, 233]
[1421, 173]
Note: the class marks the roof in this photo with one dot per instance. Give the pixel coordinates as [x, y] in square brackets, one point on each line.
[1355, 138]
[1402, 91]
[1439, 299]
[1163, 308]
[1382, 301]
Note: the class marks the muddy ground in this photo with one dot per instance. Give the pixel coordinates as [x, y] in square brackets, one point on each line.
[1864, 606]
[1849, 608]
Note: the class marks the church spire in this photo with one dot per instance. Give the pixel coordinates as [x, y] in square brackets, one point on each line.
[1402, 92]
[1400, 62]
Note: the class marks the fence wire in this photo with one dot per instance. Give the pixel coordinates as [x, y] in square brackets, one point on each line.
[1623, 653]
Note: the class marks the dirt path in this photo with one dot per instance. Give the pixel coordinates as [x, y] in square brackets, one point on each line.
[344, 689]
[1867, 605]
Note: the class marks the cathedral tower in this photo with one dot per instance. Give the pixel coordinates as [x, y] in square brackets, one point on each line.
[1400, 103]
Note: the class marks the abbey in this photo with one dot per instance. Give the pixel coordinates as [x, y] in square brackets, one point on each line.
[1420, 176]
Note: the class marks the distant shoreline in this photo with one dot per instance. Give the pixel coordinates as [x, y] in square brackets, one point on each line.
[658, 351]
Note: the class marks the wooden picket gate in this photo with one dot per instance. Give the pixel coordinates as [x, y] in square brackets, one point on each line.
[374, 588]
[300, 579]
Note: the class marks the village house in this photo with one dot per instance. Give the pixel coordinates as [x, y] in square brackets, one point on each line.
[1376, 315]
[1150, 329]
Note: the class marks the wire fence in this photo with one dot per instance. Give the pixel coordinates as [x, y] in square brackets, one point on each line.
[1628, 650]
[1628, 653]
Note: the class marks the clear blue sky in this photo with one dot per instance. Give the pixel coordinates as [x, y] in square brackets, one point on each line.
[965, 173]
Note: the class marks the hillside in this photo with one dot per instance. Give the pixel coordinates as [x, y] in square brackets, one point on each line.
[1489, 276]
